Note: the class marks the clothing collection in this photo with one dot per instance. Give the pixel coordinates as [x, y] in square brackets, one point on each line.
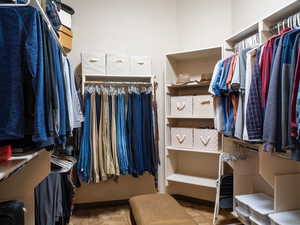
[40, 104]
[119, 134]
[257, 93]
[54, 200]
[37, 87]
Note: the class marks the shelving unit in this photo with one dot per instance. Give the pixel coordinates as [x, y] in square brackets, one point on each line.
[192, 172]
[263, 172]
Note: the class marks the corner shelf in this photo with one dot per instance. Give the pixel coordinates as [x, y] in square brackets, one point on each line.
[200, 181]
[202, 166]
[170, 148]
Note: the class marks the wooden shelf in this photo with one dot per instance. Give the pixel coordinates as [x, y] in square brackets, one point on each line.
[176, 86]
[196, 54]
[189, 117]
[200, 181]
[247, 32]
[15, 164]
[283, 13]
[170, 148]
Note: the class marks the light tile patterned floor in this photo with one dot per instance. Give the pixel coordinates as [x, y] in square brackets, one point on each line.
[120, 215]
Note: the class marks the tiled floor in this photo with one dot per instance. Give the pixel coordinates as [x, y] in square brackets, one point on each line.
[120, 215]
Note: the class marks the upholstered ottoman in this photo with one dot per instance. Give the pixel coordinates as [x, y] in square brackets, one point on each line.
[158, 209]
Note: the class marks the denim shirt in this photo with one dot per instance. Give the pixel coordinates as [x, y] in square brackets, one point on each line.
[21, 58]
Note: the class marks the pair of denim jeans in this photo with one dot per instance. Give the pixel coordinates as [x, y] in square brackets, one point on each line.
[84, 162]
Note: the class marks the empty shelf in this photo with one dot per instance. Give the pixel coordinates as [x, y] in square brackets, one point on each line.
[170, 148]
[193, 85]
[200, 181]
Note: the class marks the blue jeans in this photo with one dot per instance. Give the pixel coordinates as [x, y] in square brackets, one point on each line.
[121, 134]
[84, 162]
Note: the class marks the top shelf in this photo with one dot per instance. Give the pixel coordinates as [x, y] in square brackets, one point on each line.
[288, 10]
[245, 33]
[196, 54]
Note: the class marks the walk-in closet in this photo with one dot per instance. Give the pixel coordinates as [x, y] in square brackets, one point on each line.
[138, 112]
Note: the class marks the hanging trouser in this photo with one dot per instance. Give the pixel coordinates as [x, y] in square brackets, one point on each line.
[129, 130]
[114, 135]
[121, 134]
[137, 142]
[84, 162]
[102, 172]
[94, 140]
[106, 141]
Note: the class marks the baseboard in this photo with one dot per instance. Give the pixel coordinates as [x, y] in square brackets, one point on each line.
[126, 202]
[100, 204]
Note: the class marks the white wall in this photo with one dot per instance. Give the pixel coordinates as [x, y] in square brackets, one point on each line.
[203, 23]
[133, 27]
[246, 13]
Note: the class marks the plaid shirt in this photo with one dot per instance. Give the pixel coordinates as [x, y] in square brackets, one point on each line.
[254, 114]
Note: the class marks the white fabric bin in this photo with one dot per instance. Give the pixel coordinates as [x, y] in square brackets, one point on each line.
[243, 215]
[206, 139]
[203, 106]
[93, 63]
[118, 64]
[140, 65]
[182, 137]
[65, 18]
[256, 222]
[181, 106]
[285, 218]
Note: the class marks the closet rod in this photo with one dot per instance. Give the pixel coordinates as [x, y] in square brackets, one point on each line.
[27, 3]
[37, 5]
[117, 83]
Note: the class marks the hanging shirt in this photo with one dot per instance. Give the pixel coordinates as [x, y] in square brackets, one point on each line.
[272, 131]
[254, 114]
[21, 58]
[286, 88]
[215, 77]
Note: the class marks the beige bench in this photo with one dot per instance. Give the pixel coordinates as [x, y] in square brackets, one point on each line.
[158, 209]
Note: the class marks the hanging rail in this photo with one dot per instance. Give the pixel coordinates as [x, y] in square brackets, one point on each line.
[249, 42]
[37, 5]
[117, 83]
[289, 22]
[16, 4]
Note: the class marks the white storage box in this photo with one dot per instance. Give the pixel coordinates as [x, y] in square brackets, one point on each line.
[203, 106]
[259, 205]
[256, 222]
[140, 65]
[285, 218]
[93, 63]
[243, 215]
[182, 137]
[118, 64]
[206, 139]
[182, 106]
[65, 18]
